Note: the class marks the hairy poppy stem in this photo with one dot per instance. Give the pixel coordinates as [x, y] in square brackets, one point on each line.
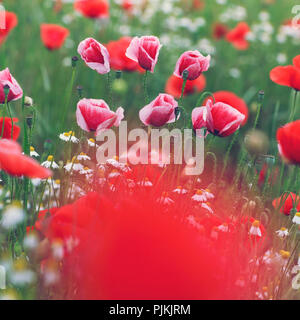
[146, 97]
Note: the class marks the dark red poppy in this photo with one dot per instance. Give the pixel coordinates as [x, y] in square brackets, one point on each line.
[233, 100]
[219, 31]
[92, 8]
[237, 36]
[118, 59]
[174, 86]
[288, 138]
[7, 130]
[287, 75]
[15, 163]
[286, 202]
[53, 36]
[11, 21]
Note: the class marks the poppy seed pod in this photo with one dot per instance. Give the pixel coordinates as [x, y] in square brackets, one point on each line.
[256, 142]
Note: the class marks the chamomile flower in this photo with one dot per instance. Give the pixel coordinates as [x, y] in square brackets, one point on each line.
[69, 137]
[86, 171]
[33, 153]
[83, 156]
[199, 196]
[12, 216]
[164, 199]
[91, 142]
[180, 190]
[296, 218]
[296, 268]
[31, 240]
[296, 282]
[73, 165]
[50, 163]
[145, 183]
[282, 232]
[21, 275]
[206, 206]
[255, 229]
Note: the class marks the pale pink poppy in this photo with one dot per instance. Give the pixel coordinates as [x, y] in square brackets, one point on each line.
[193, 62]
[220, 119]
[160, 111]
[95, 115]
[95, 55]
[15, 91]
[145, 51]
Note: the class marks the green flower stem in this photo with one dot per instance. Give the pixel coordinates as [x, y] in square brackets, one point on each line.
[146, 97]
[293, 109]
[228, 152]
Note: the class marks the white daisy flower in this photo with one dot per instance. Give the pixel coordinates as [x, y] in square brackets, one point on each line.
[207, 207]
[33, 153]
[180, 190]
[164, 199]
[12, 216]
[145, 183]
[296, 218]
[86, 171]
[91, 142]
[73, 165]
[31, 241]
[255, 229]
[282, 232]
[83, 156]
[200, 196]
[50, 163]
[69, 137]
[296, 282]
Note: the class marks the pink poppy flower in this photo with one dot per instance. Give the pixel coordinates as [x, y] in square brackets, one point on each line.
[160, 111]
[95, 115]
[95, 55]
[145, 51]
[193, 62]
[15, 91]
[220, 119]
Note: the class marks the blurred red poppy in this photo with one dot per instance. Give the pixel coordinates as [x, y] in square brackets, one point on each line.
[11, 21]
[288, 138]
[287, 75]
[233, 100]
[174, 86]
[53, 36]
[219, 31]
[7, 129]
[237, 36]
[15, 163]
[286, 203]
[93, 8]
[118, 59]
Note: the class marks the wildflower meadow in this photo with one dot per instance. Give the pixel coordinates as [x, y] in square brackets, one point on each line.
[149, 150]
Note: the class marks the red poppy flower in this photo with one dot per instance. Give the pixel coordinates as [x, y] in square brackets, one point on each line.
[219, 31]
[92, 8]
[118, 59]
[11, 21]
[53, 36]
[286, 202]
[237, 36]
[198, 4]
[7, 130]
[274, 172]
[174, 86]
[288, 138]
[127, 5]
[287, 75]
[233, 100]
[129, 249]
[15, 163]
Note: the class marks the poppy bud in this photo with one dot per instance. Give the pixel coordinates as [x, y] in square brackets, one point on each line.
[28, 102]
[74, 61]
[256, 142]
[118, 74]
[29, 121]
[6, 89]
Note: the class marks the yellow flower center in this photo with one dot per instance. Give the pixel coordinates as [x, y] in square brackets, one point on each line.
[92, 140]
[66, 134]
[199, 192]
[283, 229]
[82, 154]
[298, 214]
[31, 148]
[57, 181]
[50, 158]
[284, 254]
[256, 224]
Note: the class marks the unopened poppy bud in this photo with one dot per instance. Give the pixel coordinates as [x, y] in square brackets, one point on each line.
[29, 121]
[79, 90]
[118, 74]
[74, 61]
[261, 95]
[28, 102]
